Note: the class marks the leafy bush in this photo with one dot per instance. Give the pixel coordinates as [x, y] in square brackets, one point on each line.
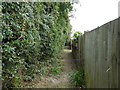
[77, 78]
[31, 33]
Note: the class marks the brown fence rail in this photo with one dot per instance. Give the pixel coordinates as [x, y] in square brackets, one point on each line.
[99, 51]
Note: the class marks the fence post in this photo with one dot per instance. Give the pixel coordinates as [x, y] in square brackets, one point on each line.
[118, 52]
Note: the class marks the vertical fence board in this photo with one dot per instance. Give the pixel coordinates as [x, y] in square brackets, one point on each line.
[118, 53]
[96, 58]
[109, 49]
[113, 58]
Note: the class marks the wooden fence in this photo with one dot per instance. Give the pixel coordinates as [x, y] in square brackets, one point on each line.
[99, 53]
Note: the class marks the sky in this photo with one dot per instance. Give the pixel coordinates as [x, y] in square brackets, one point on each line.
[90, 14]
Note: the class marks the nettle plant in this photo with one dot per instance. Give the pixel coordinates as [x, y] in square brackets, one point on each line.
[31, 33]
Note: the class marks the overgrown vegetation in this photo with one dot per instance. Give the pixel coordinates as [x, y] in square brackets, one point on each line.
[46, 69]
[32, 33]
[77, 78]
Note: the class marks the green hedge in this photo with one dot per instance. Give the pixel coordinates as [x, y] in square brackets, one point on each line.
[31, 33]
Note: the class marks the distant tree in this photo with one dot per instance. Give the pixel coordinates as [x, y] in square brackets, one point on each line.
[75, 36]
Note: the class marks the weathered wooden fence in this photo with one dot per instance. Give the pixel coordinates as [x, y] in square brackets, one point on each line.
[99, 49]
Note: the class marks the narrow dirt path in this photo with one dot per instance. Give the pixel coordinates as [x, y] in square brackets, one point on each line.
[61, 81]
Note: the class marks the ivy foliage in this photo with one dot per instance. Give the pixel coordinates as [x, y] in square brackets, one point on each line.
[31, 33]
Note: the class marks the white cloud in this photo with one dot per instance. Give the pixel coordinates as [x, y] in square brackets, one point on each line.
[93, 13]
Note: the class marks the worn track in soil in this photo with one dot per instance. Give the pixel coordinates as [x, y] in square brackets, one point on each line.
[61, 81]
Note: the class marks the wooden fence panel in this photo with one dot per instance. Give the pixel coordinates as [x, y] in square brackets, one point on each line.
[100, 51]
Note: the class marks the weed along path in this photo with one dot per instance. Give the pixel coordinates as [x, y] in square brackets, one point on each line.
[58, 81]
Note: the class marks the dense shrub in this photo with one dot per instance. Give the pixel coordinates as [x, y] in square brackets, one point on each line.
[31, 33]
[77, 78]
